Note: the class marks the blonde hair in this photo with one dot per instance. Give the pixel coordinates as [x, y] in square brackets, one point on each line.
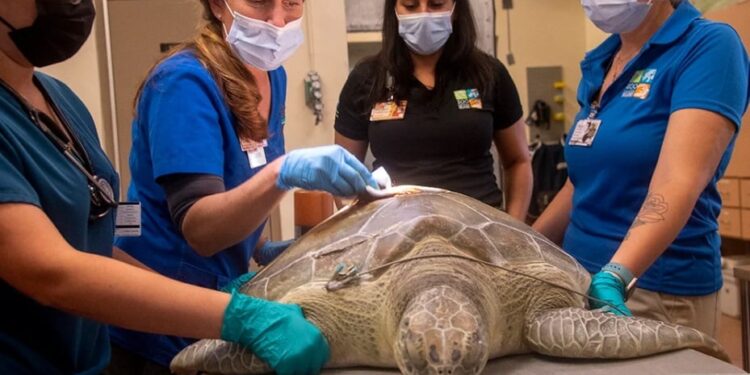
[235, 81]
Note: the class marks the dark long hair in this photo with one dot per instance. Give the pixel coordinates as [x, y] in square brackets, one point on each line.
[460, 58]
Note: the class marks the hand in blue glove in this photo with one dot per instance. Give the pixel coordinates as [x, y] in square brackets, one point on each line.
[270, 251]
[277, 333]
[328, 168]
[238, 282]
[608, 287]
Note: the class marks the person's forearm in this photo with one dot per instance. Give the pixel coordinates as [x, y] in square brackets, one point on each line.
[555, 219]
[664, 213]
[519, 185]
[124, 257]
[110, 291]
[37, 261]
[219, 221]
[677, 182]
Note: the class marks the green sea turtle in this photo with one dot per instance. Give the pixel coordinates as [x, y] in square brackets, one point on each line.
[434, 282]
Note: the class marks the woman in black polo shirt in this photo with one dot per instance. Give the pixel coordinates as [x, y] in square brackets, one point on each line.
[430, 104]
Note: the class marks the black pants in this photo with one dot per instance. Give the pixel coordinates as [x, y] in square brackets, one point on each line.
[127, 363]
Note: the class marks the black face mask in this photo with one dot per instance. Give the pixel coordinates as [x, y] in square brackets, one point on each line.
[60, 29]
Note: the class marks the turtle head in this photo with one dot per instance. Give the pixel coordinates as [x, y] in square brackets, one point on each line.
[441, 332]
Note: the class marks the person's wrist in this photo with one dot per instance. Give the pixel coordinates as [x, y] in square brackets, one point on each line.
[619, 271]
[278, 173]
[237, 317]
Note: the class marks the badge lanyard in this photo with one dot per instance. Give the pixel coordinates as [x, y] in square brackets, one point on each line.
[586, 130]
[101, 192]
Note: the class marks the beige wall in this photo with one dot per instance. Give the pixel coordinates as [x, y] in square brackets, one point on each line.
[594, 36]
[738, 16]
[86, 74]
[81, 74]
[325, 50]
[545, 33]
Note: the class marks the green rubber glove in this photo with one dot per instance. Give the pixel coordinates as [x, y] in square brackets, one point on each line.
[608, 287]
[277, 333]
[237, 283]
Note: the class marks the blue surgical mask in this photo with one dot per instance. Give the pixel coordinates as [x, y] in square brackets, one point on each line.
[261, 44]
[616, 16]
[425, 33]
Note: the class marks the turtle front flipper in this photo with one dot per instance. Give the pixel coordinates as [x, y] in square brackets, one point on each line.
[217, 357]
[579, 333]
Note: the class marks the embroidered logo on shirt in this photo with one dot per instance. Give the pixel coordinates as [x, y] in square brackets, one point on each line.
[640, 85]
[468, 99]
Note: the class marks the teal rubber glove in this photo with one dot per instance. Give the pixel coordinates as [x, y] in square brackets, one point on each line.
[328, 168]
[277, 333]
[238, 282]
[270, 251]
[608, 287]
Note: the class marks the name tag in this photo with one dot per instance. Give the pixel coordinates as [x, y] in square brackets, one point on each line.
[585, 132]
[128, 219]
[256, 152]
[257, 157]
[387, 111]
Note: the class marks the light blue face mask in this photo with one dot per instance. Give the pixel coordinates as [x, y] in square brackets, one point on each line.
[616, 16]
[426, 33]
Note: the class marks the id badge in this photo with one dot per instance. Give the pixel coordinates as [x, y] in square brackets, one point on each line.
[257, 157]
[256, 152]
[585, 132]
[128, 219]
[386, 111]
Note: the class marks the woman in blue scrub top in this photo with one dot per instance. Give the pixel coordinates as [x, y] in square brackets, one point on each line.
[59, 283]
[208, 162]
[661, 103]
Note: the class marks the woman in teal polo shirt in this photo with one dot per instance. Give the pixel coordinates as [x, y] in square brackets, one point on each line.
[58, 282]
[661, 103]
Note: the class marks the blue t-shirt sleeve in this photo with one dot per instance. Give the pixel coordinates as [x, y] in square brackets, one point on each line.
[14, 187]
[714, 75]
[183, 106]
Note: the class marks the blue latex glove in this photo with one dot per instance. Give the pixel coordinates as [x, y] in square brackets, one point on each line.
[608, 287]
[328, 168]
[238, 282]
[270, 251]
[277, 333]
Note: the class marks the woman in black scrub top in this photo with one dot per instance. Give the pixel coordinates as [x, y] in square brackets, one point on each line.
[430, 104]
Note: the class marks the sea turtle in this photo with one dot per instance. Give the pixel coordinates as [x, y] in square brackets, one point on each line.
[434, 282]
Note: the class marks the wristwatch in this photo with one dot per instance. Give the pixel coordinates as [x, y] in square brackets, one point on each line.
[624, 274]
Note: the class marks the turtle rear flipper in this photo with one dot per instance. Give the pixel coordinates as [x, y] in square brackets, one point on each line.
[217, 357]
[579, 333]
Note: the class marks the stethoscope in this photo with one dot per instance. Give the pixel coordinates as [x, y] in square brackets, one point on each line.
[100, 190]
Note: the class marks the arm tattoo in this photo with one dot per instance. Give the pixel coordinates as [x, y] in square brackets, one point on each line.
[652, 211]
